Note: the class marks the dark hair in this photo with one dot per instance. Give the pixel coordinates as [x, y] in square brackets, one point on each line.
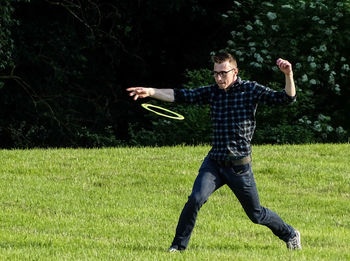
[223, 57]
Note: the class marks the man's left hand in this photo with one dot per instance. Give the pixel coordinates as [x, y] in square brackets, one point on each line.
[285, 66]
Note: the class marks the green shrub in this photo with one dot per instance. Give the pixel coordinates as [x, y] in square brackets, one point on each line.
[6, 41]
[315, 37]
[195, 129]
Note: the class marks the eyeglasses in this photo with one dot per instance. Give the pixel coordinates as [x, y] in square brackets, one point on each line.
[222, 74]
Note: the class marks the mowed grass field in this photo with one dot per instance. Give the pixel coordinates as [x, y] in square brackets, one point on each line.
[124, 204]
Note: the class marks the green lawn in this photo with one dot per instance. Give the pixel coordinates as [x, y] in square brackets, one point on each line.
[124, 204]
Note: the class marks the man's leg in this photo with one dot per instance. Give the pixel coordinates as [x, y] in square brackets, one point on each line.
[241, 181]
[205, 184]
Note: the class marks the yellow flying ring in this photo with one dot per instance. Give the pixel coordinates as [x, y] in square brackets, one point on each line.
[176, 116]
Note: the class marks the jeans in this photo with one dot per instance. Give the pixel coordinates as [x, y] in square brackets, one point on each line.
[241, 181]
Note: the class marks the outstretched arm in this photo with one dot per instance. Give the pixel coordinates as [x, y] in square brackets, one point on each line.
[159, 94]
[286, 68]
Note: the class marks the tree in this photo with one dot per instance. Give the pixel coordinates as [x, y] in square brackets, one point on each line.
[315, 37]
[6, 41]
[74, 59]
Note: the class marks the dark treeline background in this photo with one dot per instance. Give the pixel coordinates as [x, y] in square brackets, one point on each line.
[65, 66]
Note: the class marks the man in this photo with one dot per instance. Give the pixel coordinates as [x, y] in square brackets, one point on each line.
[233, 105]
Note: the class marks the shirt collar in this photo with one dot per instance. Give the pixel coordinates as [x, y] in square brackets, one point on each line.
[233, 86]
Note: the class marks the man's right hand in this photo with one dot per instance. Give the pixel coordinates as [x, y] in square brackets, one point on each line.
[140, 92]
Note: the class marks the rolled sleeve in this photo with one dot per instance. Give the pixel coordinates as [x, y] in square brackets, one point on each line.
[290, 99]
[196, 96]
[272, 97]
[178, 95]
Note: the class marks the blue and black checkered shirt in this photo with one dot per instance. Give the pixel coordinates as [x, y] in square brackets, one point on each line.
[232, 113]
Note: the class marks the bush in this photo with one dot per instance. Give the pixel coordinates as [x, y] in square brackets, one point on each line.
[305, 33]
[195, 129]
[6, 41]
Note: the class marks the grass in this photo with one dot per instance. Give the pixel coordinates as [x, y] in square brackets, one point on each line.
[124, 204]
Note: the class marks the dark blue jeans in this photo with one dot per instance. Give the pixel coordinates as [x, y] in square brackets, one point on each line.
[241, 181]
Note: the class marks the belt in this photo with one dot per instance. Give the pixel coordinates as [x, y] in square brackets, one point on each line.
[230, 161]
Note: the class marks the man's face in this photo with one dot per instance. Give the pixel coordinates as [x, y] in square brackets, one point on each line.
[225, 74]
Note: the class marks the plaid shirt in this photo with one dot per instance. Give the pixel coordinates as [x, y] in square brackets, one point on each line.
[232, 113]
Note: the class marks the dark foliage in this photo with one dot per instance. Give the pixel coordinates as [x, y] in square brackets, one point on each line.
[65, 66]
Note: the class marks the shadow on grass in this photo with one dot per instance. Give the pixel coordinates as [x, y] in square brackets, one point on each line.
[231, 246]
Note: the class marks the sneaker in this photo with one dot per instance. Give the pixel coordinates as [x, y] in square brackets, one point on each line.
[294, 243]
[174, 249]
